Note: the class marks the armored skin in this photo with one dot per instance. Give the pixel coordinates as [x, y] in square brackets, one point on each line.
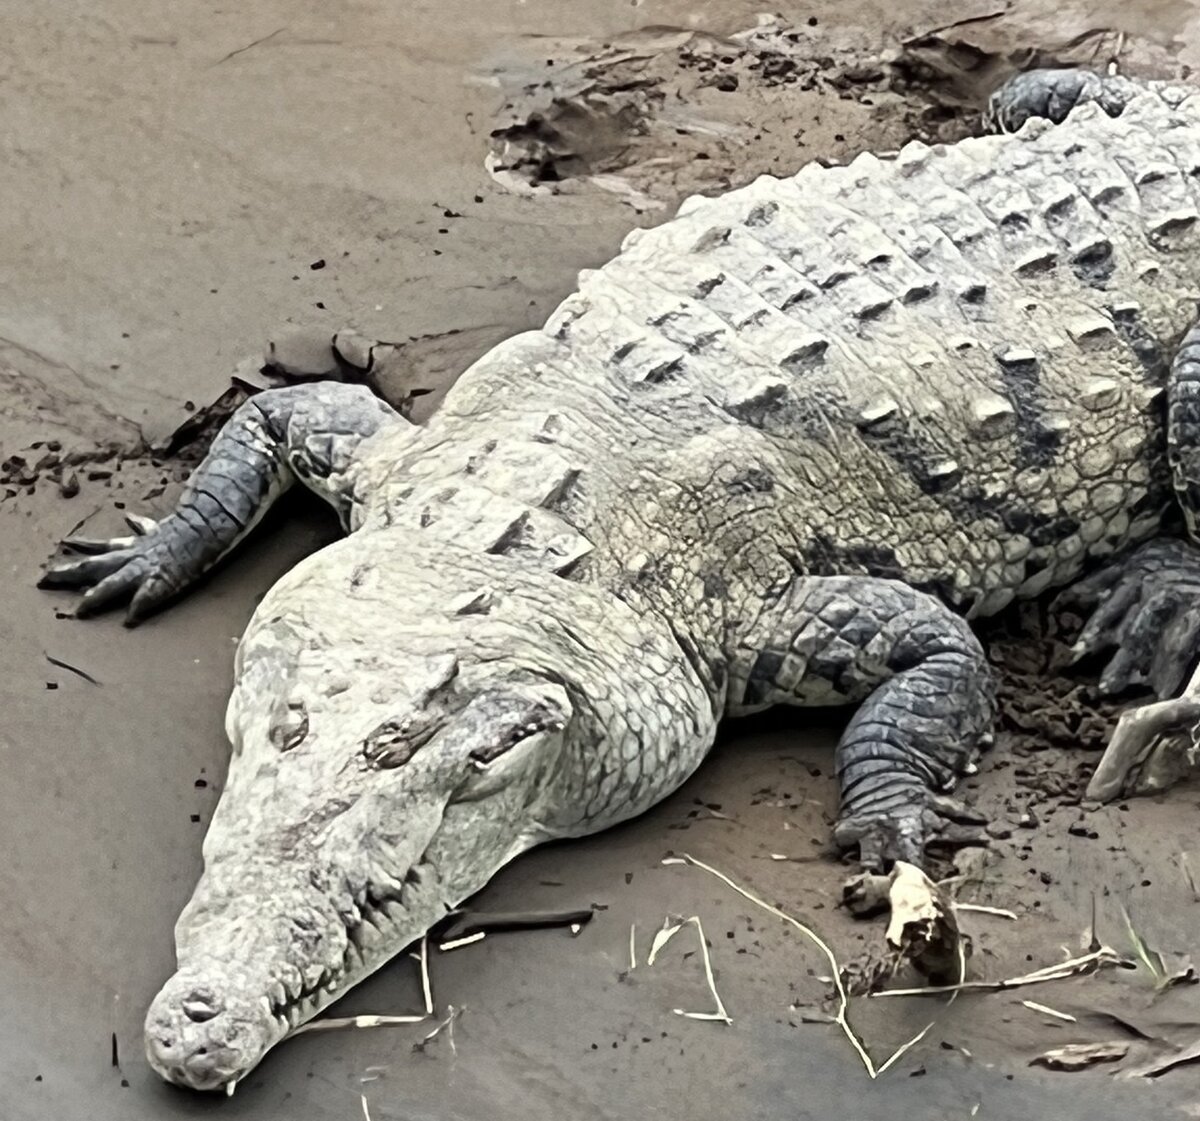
[781, 450]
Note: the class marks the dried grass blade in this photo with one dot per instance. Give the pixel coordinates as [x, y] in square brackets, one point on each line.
[835, 968]
[980, 909]
[426, 986]
[661, 938]
[1033, 1006]
[336, 1023]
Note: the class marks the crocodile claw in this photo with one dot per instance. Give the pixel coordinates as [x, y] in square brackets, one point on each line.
[116, 568]
[936, 821]
[1147, 609]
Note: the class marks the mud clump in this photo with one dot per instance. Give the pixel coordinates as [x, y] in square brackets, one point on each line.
[661, 113]
[1042, 703]
[1052, 718]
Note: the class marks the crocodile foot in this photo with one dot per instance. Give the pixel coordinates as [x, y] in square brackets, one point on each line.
[1153, 747]
[1147, 607]
[115, 568]
[1050, 95]
[930, 821]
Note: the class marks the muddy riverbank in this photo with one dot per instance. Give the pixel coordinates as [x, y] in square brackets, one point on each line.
[180, 187]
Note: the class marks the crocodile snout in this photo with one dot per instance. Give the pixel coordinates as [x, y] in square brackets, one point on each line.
[198, 1040]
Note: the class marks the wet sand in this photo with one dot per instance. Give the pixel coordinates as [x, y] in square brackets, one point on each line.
[170, 180]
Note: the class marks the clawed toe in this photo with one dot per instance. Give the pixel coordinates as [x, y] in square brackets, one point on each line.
[140, 525]
[94, 545]
[115, 569]
[938, 822]
[1146, 611]
[84, 573]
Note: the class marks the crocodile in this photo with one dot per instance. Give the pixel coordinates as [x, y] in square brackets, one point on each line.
[783, 449]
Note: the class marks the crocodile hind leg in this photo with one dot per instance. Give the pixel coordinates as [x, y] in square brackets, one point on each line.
[1052, 94]
[927, 704]
[1144, 611]
[307, 433]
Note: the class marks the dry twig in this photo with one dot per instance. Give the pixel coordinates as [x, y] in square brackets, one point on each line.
[334, 1023]
[1080, 1056]
[1105, 956]
[840, 1017]
[447, 1024]
[426, 985]
[1033, 1006]
[980, 909]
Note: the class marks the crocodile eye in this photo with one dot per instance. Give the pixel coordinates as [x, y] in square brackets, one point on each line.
[392, 744]
[537, 719]
[290, 730]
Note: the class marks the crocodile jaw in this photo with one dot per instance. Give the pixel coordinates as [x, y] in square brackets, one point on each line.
[245, 984]
[306, 892]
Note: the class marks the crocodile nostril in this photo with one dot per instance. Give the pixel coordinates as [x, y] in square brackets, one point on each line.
[199, 1008]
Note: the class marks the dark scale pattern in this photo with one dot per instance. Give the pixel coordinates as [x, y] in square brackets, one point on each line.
[1183, 429]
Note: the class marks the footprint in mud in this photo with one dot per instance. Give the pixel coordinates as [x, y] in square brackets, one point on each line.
[658, 114]
[662, 113]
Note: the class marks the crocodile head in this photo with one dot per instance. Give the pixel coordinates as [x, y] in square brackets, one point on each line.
[348, 826]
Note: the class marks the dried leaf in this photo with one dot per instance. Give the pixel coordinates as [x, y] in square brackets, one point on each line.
[661, 939]
[922, 929]
[1080, 1056]
[1150, 958]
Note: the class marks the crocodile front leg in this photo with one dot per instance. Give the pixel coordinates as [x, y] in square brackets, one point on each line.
[307, 433]
[927, 704]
